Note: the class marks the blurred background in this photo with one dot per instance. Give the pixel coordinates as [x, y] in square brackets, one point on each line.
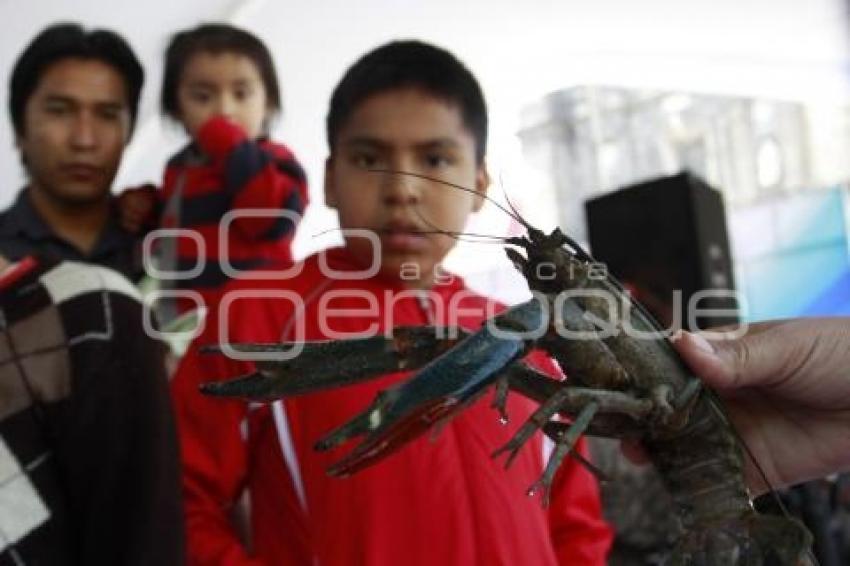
[584, 98]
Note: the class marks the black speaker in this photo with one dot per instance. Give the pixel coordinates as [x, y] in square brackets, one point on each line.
[665, 235]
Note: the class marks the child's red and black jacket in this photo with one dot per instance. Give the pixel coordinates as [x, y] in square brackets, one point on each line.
[258, 184]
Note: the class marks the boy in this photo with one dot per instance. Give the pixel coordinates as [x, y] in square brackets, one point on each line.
[406, 106]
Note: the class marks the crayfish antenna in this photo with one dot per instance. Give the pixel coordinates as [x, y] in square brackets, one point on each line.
[512, 213]
[516, 215]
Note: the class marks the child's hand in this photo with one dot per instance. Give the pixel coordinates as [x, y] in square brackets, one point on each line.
[219, 135]
[136, 208]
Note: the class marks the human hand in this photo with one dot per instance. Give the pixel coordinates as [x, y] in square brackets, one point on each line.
[786, 388]
[136, 208]
[218, 136]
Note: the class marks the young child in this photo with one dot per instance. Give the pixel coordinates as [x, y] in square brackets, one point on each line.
[220, 85]
[406, 106]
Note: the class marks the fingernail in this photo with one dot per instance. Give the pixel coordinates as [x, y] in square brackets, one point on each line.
[700, 342]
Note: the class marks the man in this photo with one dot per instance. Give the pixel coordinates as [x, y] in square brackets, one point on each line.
[88, 455]
[73, 101]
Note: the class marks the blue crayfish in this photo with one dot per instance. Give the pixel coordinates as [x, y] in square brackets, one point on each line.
[625, 381]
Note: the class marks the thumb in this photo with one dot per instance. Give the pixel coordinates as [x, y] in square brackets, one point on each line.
[704, 359]
[755, 359]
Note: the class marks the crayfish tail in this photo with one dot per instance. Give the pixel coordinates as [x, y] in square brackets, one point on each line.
[755, 540]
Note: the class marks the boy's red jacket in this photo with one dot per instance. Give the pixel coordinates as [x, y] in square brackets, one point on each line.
[442, 501]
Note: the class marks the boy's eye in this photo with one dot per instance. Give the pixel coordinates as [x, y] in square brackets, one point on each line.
[243, 93]
[364, 160]
[57, 110]
[110, 113]
[437, 160]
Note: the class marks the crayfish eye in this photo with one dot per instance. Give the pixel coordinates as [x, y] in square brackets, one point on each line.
[535, 235]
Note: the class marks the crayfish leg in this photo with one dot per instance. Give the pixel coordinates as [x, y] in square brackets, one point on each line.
[536, 421]
[683, 402]
[500, 398]
[555, 430]
[661, 396]
[564, 445]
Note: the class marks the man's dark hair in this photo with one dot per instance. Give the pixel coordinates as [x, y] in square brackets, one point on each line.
[215, 39]
[70, 41]
[403, 64]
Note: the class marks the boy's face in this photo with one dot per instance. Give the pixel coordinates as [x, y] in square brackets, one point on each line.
[76, 123]
[222, 84]
[412, 131]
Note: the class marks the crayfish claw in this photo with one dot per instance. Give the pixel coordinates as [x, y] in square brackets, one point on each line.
[251, 386]
[363, 423]
[438, 427]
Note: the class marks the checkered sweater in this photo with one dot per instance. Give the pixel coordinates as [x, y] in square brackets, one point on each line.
[88, 468]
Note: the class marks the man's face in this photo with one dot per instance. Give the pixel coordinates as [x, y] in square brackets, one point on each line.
[222, 84]
[76, 123]
[411, 131]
